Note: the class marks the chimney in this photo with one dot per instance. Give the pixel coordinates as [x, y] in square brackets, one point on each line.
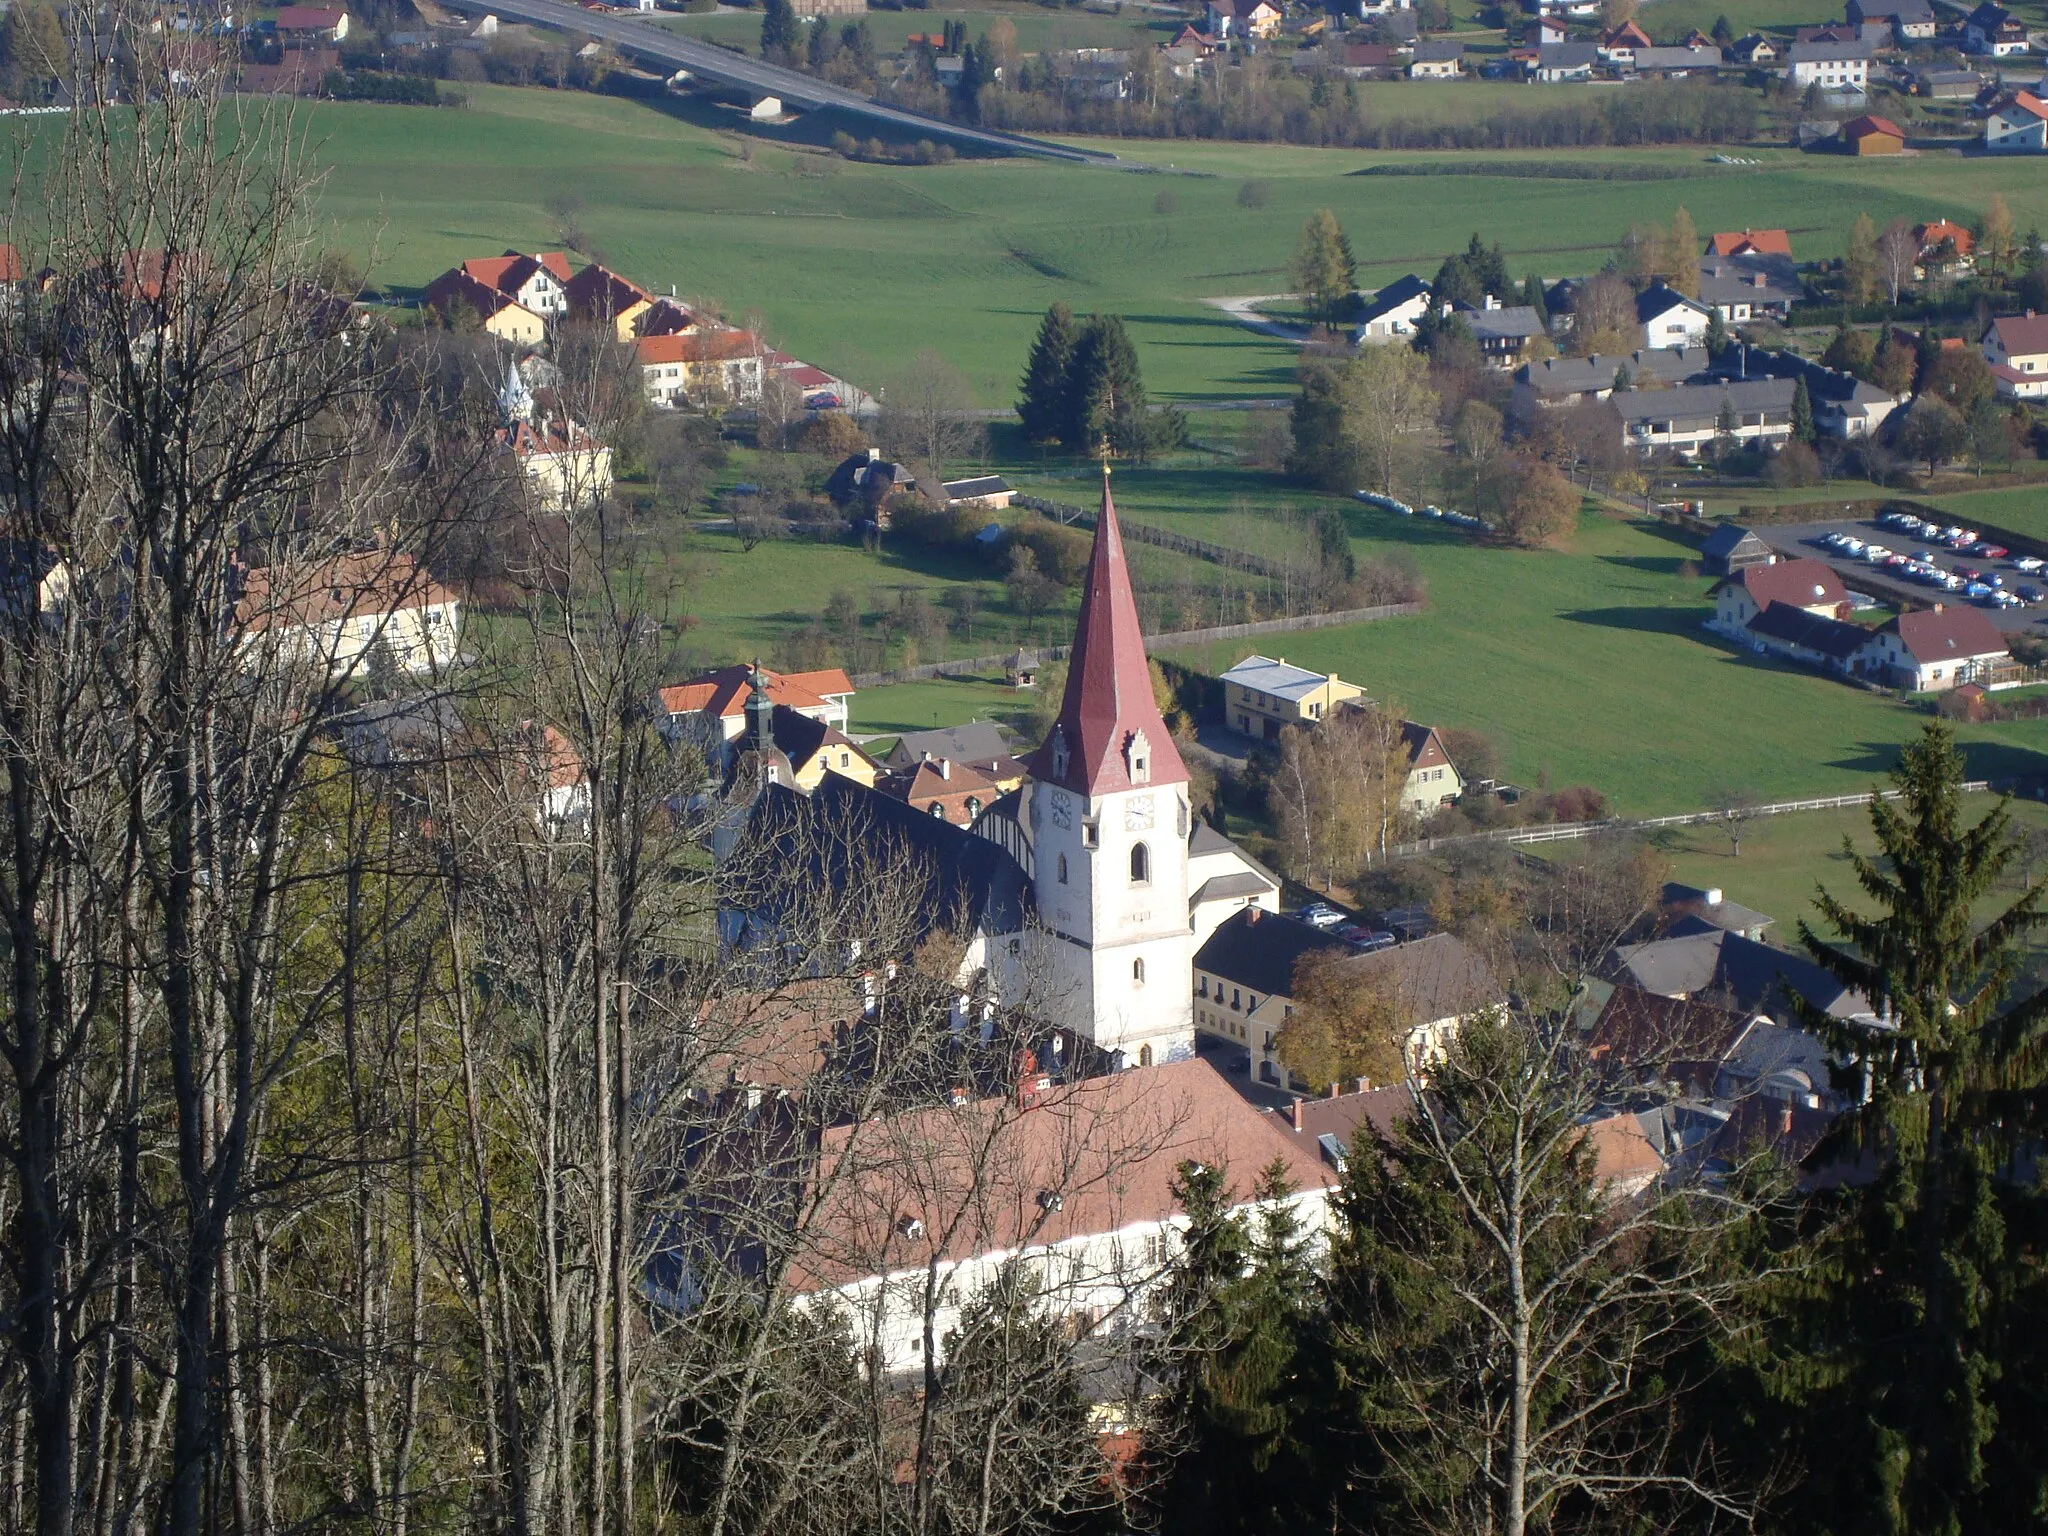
[1713, 895]
[1294, 1114]
[1938, 607]
[1334, 1090]
[1785, 1119]
[945, 766]
[1365, 1085]
[1027, 1079]
[1251, 914]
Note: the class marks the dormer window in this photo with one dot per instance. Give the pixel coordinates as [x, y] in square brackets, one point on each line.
[1138, 758]
[1059, 753]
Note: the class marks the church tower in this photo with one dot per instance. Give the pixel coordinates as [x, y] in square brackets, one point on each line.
[1109, 825]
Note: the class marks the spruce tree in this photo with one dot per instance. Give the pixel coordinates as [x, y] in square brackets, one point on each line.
[1532, 295]
[1936, 1281]
[1106, 392]
[1717, 333]
[780, 32]
[1041, 402]
[1802, 413]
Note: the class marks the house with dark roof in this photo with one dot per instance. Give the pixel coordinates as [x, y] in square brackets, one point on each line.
[1690, 417]
[1393, 313]
[991, 491]
[1750, 287]
[1433, 779]
[602, 297]
[1437, 58]
[1911, 21]
[1731, 548]
[2016, 348]
[812, 747]
[1841, 67]
[1557, 63]
[1993, 31]
[1503, 332]
[1224, 880]
[1754, 49]
[1669, 318]
[462, 299]
[1809, 586]
[1678, 901]
[1244, 986]
[1702, 962]
[1558, 382]
[1675, 63]
[1931, 650]
[867, 479]
[981, 744]
[1810, 639]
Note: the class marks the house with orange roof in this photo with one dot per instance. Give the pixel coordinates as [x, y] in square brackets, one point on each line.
[1619, 44]
[1946, 249]
[1750, 242]
[701, 363]
[539, 283]
[346, 613]
[1872, 135]
[2017, 125]
[711, 708]
[938, 786]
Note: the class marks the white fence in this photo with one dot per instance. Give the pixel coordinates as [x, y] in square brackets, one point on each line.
[1569, 831]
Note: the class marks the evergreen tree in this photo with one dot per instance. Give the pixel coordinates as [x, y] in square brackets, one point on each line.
[1105, 393]
[1324, 272]
[1802, 413]
[1041, 402]
[1717, 333]
[1532, 295]
[781, 32]
[1933, 1283]
[1325, 453]
[1724, 32]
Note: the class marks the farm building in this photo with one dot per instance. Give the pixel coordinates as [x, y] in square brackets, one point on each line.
[1731, 548]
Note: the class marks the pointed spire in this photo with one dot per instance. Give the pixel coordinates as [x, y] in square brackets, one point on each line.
[1109, 735]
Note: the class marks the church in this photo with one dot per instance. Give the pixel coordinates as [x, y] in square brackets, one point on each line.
[1084, 893]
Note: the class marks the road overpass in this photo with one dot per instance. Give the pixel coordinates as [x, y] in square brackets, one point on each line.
[721, 66]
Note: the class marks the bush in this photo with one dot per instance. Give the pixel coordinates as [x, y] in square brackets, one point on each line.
[1254, 194]
[1061, 553]
[830, 434]
[1795, 464]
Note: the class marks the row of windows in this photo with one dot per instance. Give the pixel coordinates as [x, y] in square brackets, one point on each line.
[1236, 997]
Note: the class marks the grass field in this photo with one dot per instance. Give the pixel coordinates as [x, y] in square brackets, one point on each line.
[2023, 509]
[858, 267]
[1585, 665]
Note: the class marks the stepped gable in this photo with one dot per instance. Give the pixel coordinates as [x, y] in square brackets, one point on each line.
[1108, 704]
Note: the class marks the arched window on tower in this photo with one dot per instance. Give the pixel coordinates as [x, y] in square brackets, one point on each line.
[1141, 864]
[1063, 869]
[1144, 1055]
[1138, 972]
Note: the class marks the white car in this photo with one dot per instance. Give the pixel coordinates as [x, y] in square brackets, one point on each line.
[1850, 546]
[2028, 564]
[1876, 554]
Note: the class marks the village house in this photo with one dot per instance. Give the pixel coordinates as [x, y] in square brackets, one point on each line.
[809, 748]
[1742, 976]
[1433, 780]
[1557, 383]
[1244, 987]
[600, 296]
[1994, 32]
[2016, 348]
[1617, 47]
[538, 283]
[1808, 586]
[921, 1211]
[1241, 19]
[1750, 287]
[1690, 417]
[1559, 63]
[1505, 333]
[710, 708]
[460, 300]
[312, 24]
[990, 491]
[701, 365]
[564, 467]
[1947, 84]
[1911, 21]
[2017, 125]
[1947, 249]
[1437, 59]
[1674, 63]
[1934, 649]
[350, 614]
[1263, 695]
[980, 744]
[1841, 68]
[1393, 313]
[1809, 639]
[1669, 318]
[1750, 242]
[1755, 50]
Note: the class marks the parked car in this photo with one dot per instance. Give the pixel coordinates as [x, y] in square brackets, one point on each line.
[1357, 933]
[1991, 551]
[825, 402]
[2028, 563]
[1976, 591]
[1372, 943]
[2028, 595]
[1320, 914]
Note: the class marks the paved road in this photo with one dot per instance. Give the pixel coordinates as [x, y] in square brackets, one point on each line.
[1245, 311]
[705, 61]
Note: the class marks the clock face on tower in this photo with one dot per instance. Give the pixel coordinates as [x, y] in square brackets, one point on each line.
[1062, 809]
[1138, 813]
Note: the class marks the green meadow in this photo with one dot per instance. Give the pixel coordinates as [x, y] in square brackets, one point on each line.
[860, 267]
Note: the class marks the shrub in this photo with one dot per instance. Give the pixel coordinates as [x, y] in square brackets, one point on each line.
[831, 435]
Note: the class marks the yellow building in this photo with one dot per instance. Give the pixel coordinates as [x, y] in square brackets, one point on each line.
[1263, 695]
[814, 749]
[565, 467]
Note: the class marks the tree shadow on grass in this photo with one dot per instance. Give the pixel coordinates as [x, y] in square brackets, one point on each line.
[2001, 762]
[1669, 533]
[1642, 619]
[1650, 565]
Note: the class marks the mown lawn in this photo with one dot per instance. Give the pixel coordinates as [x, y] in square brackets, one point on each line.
[859, 267]
[1584, 665]
[2023, 509]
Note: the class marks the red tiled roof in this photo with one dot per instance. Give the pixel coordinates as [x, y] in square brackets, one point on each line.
[2027, 102]
[988, 1177]
[527, 440]
[1801, 583]
[1863, 127]
[698, 347]
[1109, 685]
[458, 287]
[1930, 235]
[1627, 34]
[598, 290]
[2022, 335]
[1750, 242]
[1947, 634]
[307, 18]
[724, 692]
[1425, 748]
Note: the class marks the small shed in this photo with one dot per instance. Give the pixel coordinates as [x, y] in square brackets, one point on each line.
[1874, 136]
[1730, 548]
[1021, 670]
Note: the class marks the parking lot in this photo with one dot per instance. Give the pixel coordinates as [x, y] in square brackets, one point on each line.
[1922, 567]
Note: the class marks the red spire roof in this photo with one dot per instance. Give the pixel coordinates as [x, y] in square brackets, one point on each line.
[1109, 735]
